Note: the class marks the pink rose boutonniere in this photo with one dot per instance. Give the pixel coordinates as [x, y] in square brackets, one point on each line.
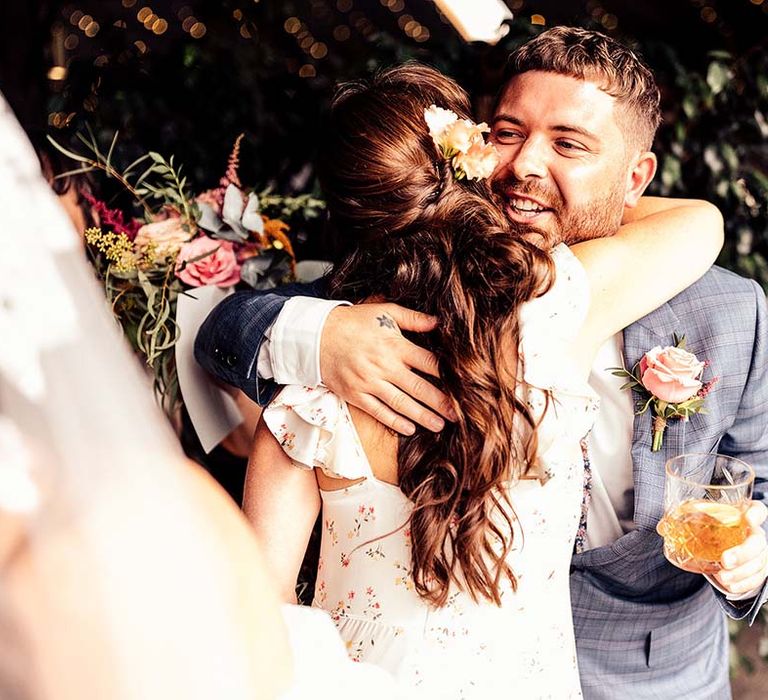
[669, 381]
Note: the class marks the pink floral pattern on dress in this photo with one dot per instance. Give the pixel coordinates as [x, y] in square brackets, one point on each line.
[456, 652]
[365, 514]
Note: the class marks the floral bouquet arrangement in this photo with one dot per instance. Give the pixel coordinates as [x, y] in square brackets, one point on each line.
[669, 382]
[181, 241]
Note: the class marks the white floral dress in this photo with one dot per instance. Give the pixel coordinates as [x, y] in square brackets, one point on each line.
[523, 649]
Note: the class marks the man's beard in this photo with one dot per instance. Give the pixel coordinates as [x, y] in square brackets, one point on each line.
[597, 218]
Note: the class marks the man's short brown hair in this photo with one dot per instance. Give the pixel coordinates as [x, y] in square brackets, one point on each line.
[592, 56]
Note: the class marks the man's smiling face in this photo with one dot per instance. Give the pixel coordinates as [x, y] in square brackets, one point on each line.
[564, 163]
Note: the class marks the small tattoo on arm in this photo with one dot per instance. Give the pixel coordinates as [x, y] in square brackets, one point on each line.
[386, 322]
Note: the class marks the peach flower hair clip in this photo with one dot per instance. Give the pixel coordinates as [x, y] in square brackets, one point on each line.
[461, 142]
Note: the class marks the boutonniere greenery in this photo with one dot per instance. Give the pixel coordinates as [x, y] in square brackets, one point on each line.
[669, 382]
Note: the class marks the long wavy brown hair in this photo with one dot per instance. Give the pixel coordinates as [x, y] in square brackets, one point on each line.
[411, 233]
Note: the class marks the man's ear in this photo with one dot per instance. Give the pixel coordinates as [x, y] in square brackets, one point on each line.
[639, 177]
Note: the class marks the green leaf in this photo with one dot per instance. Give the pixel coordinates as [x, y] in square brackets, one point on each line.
[689, 106]
[111, 150]
[720, 54]
[150, 291]
[87, 169]
[645, 407]
[718, 76]
[136, 162]
[671, 171]
[68, 153]
[729, 155]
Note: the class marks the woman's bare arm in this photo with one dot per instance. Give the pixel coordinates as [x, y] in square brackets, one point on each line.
[650, 260]
[282, 502]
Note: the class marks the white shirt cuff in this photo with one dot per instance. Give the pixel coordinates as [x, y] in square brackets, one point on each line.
[294, 340]
[733, 597]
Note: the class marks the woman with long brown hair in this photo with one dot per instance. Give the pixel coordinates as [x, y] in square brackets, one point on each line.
[445, 556]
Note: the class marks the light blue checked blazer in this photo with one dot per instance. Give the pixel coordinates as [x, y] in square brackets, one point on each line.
[644, 629]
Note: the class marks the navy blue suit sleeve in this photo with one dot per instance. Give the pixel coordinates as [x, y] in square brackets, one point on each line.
[227, 344]
[747, 439]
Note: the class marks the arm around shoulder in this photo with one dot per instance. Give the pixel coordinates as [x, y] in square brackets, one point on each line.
[647, 262]
[229, 340]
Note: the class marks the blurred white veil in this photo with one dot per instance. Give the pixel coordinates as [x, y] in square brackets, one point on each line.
[118, 574]
[124, 571]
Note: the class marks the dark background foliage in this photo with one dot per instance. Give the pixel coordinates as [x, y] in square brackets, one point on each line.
[194, 74]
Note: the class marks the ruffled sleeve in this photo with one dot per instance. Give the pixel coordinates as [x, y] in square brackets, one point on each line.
[315, 429]
[554, 388]
[549, 325]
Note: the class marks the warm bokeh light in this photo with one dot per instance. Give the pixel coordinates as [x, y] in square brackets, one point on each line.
[143, 13]
[538, 19]
[341, 33]
[307, 71]
[292, 25]
[57, 73]
[319, 50]
[198, 30]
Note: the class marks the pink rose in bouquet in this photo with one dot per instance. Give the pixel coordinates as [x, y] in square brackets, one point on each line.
[671, 374]
[167, 236]
[205, 261]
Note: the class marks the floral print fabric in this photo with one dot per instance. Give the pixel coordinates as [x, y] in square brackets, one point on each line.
[466, 649]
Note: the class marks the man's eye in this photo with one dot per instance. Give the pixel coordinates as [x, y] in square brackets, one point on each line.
[569, 145]
[506, 134]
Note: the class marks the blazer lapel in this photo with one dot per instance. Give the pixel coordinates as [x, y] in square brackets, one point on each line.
[657, 328]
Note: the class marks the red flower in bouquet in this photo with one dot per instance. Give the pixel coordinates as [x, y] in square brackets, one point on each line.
[113, 218]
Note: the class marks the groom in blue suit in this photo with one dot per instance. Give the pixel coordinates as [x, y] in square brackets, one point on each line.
[644, 629]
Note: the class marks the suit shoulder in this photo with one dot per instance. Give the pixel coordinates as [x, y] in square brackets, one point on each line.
[717, 282]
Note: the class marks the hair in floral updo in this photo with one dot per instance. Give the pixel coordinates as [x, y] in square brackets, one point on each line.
[412, 233]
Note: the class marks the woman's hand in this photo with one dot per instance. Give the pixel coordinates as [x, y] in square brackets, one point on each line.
[366, 360]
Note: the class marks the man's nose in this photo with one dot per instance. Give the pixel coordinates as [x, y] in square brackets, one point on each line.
[529, 161]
